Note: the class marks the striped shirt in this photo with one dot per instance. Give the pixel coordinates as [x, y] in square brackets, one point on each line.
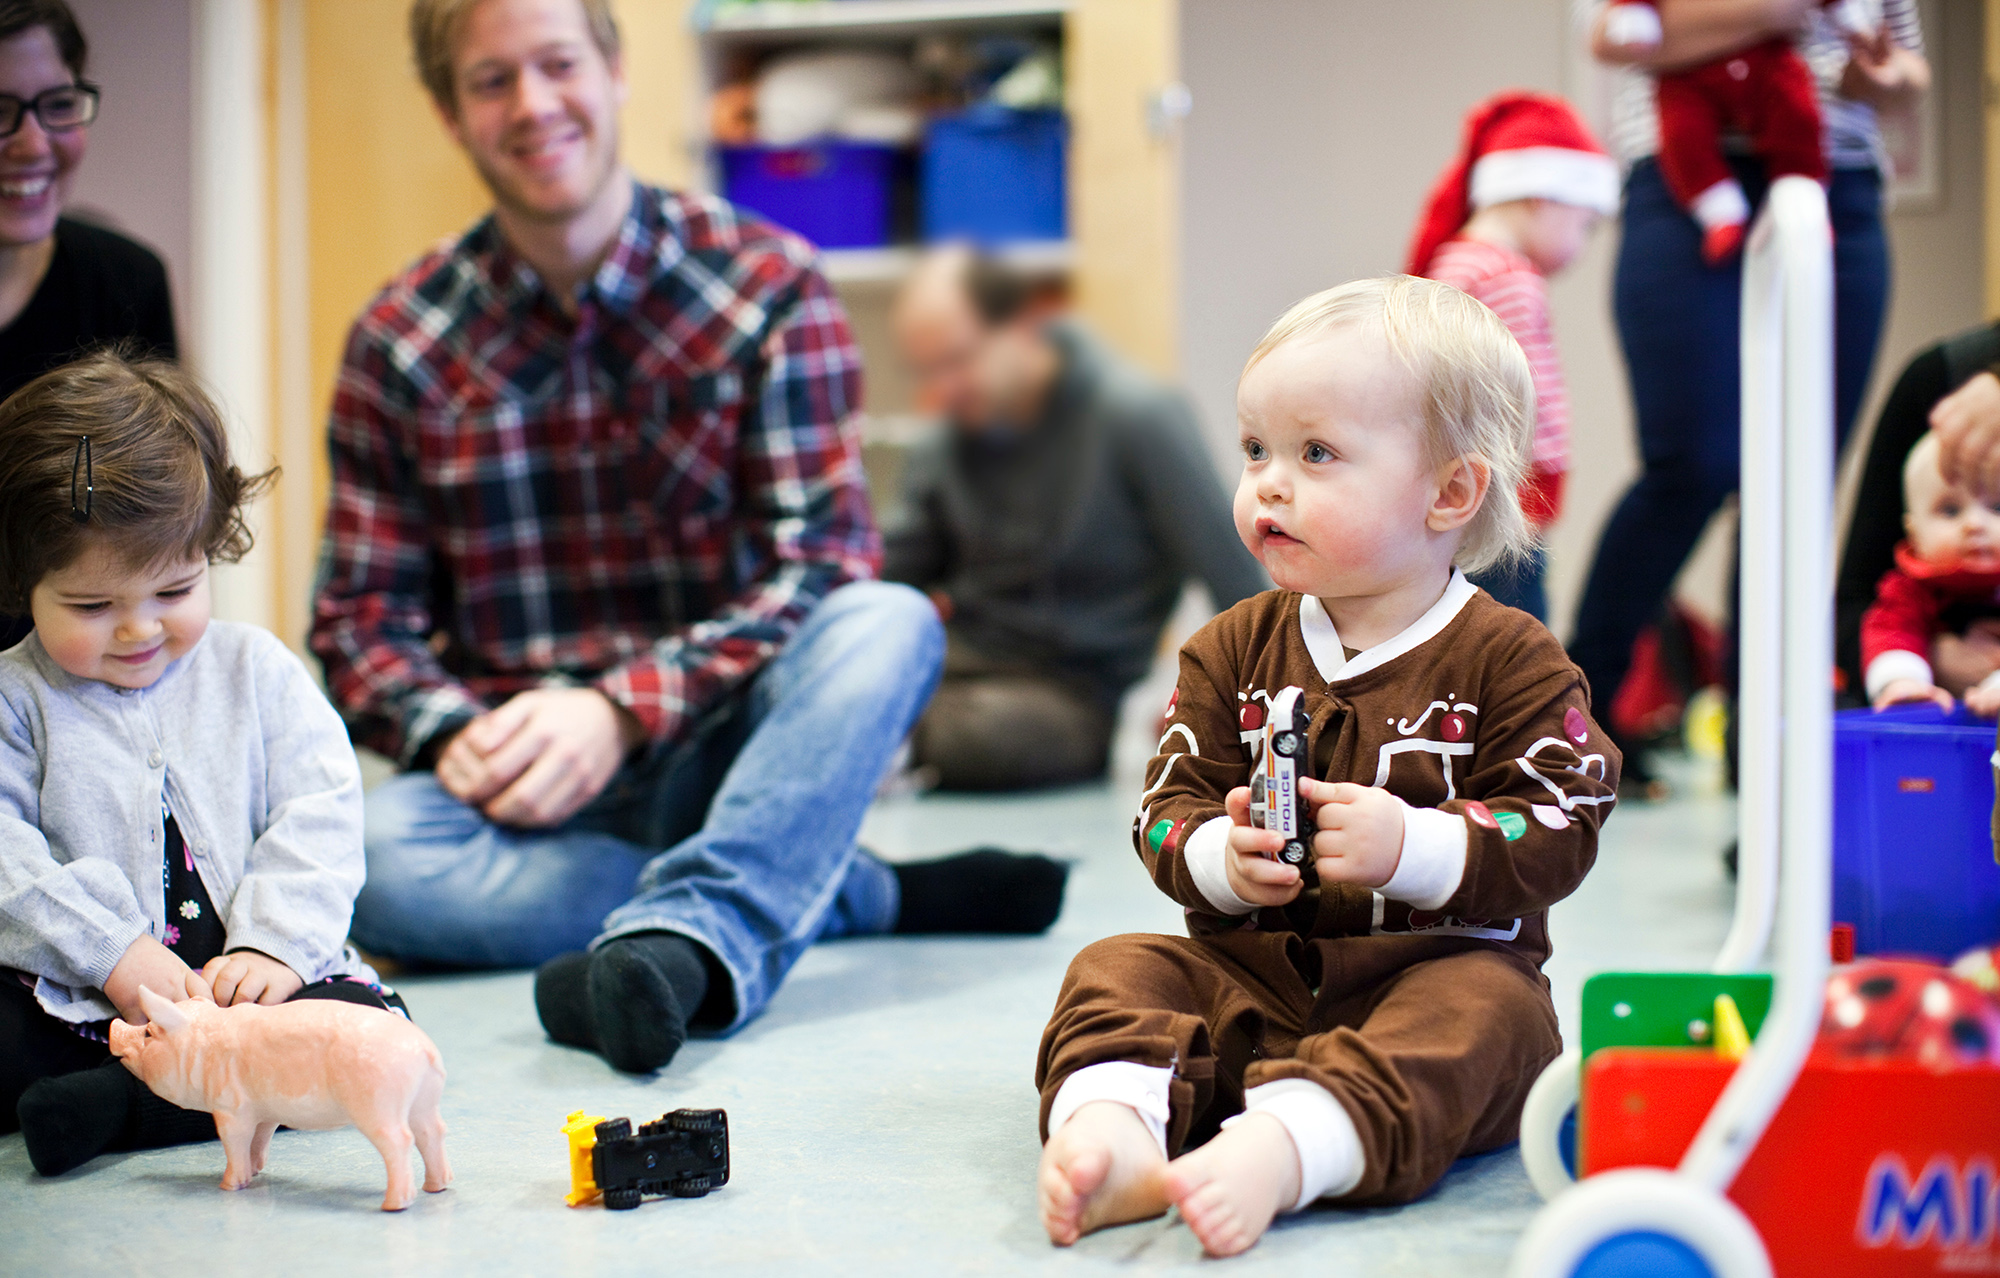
[1513, 289]
[646, 498]
[1852, 136]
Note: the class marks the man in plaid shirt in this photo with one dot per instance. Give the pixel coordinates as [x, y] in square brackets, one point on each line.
[596, 572]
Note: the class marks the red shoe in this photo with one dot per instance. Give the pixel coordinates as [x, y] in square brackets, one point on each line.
[1721, 243]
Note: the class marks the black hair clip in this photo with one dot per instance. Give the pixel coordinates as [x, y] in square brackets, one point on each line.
[81, 464]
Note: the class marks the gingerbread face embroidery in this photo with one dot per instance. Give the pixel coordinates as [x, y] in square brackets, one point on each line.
[1454, 733]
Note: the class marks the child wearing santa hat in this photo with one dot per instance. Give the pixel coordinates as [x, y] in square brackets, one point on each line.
[1515, 206]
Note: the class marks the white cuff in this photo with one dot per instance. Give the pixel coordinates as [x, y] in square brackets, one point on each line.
[1723, 204]
[1207, 853]
[1329, 1148]
[1633, 25]
[1850, 17]
[1142, 1088]
[1896, 663]
[1433, 861]
[1987, 684]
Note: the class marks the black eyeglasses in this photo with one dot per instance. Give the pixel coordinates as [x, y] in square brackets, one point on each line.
[68, 107]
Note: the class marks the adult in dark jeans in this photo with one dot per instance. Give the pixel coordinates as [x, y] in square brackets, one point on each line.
[1677, 318]
[596, 575]
[1949, 387]
[1054, 524]
[66, 286]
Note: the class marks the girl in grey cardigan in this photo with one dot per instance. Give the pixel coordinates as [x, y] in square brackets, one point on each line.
[179, 806]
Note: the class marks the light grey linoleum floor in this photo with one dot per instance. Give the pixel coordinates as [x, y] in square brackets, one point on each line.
[882, 1112]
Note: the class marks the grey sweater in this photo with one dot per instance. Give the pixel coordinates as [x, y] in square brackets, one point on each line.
[1064, 547]
[257, 770]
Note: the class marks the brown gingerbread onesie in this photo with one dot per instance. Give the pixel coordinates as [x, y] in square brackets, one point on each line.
[1421, 1006]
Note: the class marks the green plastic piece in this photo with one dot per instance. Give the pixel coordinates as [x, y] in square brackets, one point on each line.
[1666, 1009]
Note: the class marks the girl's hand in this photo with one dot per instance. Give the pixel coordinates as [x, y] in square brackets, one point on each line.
[245, 976]
[1255, 873]
[147, 962]
[1898, 691]
[1360, 837]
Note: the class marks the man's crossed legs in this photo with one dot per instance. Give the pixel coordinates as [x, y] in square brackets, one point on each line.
[756, 812]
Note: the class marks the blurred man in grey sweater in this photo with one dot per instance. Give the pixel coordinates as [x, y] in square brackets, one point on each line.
[1054, 524]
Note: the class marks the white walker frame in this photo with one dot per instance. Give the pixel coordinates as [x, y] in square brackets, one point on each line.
[1786, 752]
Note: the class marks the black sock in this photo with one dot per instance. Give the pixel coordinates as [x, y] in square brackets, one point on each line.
[70, 1119]
[562, 1000]
[644, 988]
[156, 1123]
[984, 890]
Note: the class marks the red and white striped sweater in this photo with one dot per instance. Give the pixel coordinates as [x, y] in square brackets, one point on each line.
[1513, 289]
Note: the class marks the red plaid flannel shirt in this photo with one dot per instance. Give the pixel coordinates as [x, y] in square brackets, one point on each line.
[647, 499]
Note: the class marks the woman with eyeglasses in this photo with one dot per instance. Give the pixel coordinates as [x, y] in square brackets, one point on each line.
[66, 287]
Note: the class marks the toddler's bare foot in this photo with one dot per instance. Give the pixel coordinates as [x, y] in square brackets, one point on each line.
[1230, 1189]
[1102, 1167]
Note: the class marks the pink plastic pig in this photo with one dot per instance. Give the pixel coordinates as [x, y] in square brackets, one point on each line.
[311, 1065]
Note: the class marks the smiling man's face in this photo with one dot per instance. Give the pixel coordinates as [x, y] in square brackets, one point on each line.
[536, 106]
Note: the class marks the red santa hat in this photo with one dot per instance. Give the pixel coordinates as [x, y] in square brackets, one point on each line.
[1516, 146]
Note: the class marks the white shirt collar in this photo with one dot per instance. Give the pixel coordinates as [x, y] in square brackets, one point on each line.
[1330, 656]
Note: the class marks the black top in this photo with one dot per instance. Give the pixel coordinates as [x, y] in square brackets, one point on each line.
[195, 929]
[1065, 546]
[1877, 526]
[101, 288]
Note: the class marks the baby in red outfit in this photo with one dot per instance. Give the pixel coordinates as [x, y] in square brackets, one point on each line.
[1946, 583]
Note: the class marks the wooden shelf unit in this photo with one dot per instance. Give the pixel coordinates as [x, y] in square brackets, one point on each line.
[775, 21]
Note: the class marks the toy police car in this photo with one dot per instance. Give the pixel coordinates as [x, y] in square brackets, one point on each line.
[1275, 801]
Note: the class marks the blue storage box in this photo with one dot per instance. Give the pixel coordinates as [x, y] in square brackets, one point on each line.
[991, 175]
[1913, 862]
[836, 194]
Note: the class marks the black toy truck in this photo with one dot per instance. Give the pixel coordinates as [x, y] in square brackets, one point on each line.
[685, 1154]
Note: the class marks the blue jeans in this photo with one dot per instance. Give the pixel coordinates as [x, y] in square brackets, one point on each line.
[1677, 321]
[756, 812]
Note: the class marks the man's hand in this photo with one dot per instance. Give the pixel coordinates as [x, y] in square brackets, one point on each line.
[1967, 423]
[1360, 837]
[540, 757]
[1900, 691]
[247, 976]
[147, 962]
[1255, 873]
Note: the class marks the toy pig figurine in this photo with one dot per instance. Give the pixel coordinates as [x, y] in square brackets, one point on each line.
[311, 1064]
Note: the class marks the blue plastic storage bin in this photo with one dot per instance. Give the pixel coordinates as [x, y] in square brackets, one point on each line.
[991, 174]
[836, 194]
[1913, 864]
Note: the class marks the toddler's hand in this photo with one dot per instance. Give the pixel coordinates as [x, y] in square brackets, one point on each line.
[1255, 873]
[246, 976]
[1983, 699]
[147, 962]
[1360, 837]
[1899, 691]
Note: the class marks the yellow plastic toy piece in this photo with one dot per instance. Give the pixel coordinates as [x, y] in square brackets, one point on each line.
[1732, 1041]
[582, 1132]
